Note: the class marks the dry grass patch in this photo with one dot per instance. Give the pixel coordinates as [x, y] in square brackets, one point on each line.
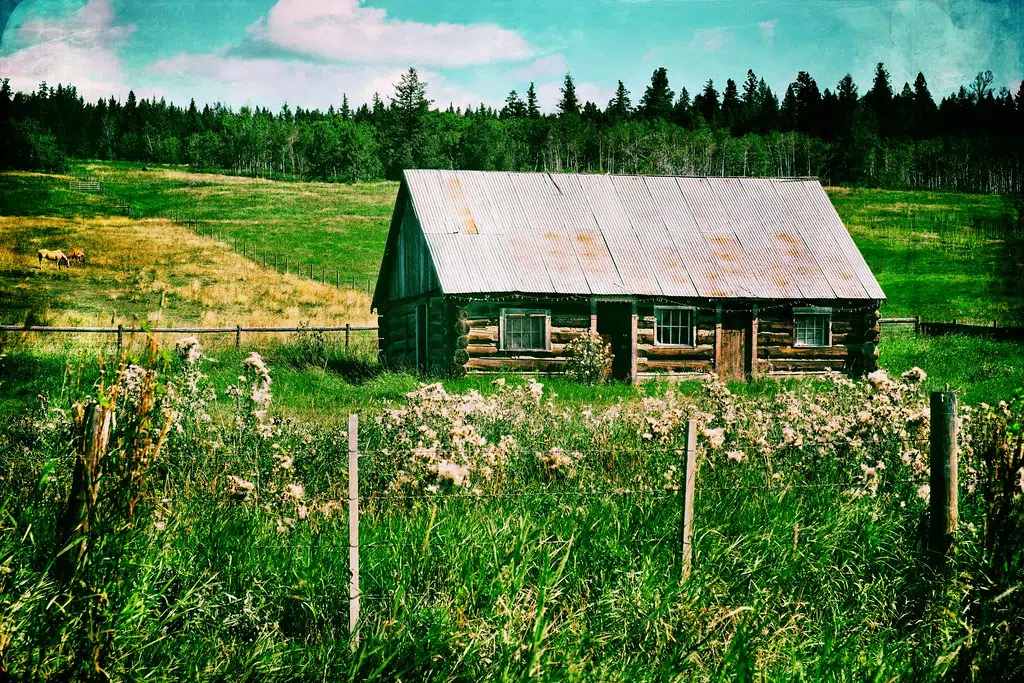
[152, 270]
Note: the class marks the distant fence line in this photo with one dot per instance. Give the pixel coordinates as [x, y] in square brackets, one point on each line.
[122, 205]
[286, 264]
[121, 330]
[944, 329]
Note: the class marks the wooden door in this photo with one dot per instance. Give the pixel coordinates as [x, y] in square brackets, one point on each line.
[615, 323]
[734, 346]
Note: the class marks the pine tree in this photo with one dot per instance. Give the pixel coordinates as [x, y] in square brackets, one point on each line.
[788, 111]
[410, 101]
[731, 106]
[569, 104]
[657, 100]
[532, 110]
[846, 105]
[619, 107]
[682, 110]
[346, 110]
[706, 103]
[879, 99]
[514, 107]
[807, 97]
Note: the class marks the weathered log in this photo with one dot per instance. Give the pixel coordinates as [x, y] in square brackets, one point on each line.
[648, 365]
[797, 365]
[483, 334]
[516, 364]
[703, 352]
[809, 352]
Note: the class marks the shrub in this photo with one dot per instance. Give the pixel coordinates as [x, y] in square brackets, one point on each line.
[590, 359]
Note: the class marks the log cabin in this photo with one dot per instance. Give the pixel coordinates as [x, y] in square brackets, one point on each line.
[495, 272]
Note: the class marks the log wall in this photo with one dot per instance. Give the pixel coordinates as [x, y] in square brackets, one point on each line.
[464, 337]
[854, 348]
[477, 340]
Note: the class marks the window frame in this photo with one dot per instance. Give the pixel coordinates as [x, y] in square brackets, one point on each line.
[525, 313]
[692, 325]
[813, 311]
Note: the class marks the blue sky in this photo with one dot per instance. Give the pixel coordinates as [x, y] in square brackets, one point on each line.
[307, 52]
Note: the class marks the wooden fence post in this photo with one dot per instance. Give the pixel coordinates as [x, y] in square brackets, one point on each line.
[120, 338]
[238, 336]
[337, 278]
[943, 508]
[311, 271]
[917, 325]
[348, 330]
[275, 263]
[690, 478]
[353, 528]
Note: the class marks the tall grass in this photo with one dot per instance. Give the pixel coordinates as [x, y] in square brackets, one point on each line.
[506, 535]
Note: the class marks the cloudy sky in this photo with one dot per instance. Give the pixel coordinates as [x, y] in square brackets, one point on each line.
[307, 52]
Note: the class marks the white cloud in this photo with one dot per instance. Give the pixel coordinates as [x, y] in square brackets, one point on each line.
[710, 40]
[548, 95]
[768, 28]
[271, 82]
[80, 49]
[544, 67]
[346, 31]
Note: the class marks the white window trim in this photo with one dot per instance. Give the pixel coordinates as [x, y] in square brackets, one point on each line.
[693, 326]
[812, 310]
[525, 312]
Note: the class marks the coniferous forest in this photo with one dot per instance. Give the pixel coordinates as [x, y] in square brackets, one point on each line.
[880, 135]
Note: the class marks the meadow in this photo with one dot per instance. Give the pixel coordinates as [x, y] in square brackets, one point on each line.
[512, 528]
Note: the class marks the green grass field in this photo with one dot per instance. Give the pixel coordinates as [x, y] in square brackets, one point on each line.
[508, 533]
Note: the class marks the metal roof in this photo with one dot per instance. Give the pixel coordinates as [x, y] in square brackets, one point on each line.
[751, 238]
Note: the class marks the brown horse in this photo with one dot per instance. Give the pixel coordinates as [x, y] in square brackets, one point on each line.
[77, 255]
[57, 256]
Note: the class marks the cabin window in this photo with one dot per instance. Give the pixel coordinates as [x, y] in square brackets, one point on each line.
[812, 326]
[525, 329]
[673, 326]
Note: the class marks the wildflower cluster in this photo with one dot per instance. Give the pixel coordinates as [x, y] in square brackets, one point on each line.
[589, 359]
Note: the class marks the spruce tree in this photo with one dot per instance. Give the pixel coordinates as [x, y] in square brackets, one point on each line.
[682, 111]
[410, 101]
[879, 99]
[569, 104]
[514, 107]
[706, 103]
[619, 107]
[657, 100]
[346, 110]
[731, 106]
[532, 110]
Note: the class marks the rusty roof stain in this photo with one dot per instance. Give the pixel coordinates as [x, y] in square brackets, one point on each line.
[751, 238]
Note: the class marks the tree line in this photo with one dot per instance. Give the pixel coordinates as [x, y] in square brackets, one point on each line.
[971, 140]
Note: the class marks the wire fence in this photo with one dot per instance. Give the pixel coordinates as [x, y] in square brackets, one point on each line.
[394, 535]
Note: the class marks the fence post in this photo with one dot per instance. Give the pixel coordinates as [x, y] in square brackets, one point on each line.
[238, 336]
[917, 325]
[337, 278]
[353, 528]
[120, 337]
[275, 263]
[943, 509]
[690, 478]
[311, 271]
[348, 330]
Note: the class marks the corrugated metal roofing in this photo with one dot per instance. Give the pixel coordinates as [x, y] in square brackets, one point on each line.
[752, 238]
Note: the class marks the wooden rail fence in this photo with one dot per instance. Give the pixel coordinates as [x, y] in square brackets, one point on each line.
[237, 330]
[942, 329]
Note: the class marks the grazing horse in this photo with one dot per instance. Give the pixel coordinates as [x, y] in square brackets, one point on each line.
[57, 256]
[77, 255]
